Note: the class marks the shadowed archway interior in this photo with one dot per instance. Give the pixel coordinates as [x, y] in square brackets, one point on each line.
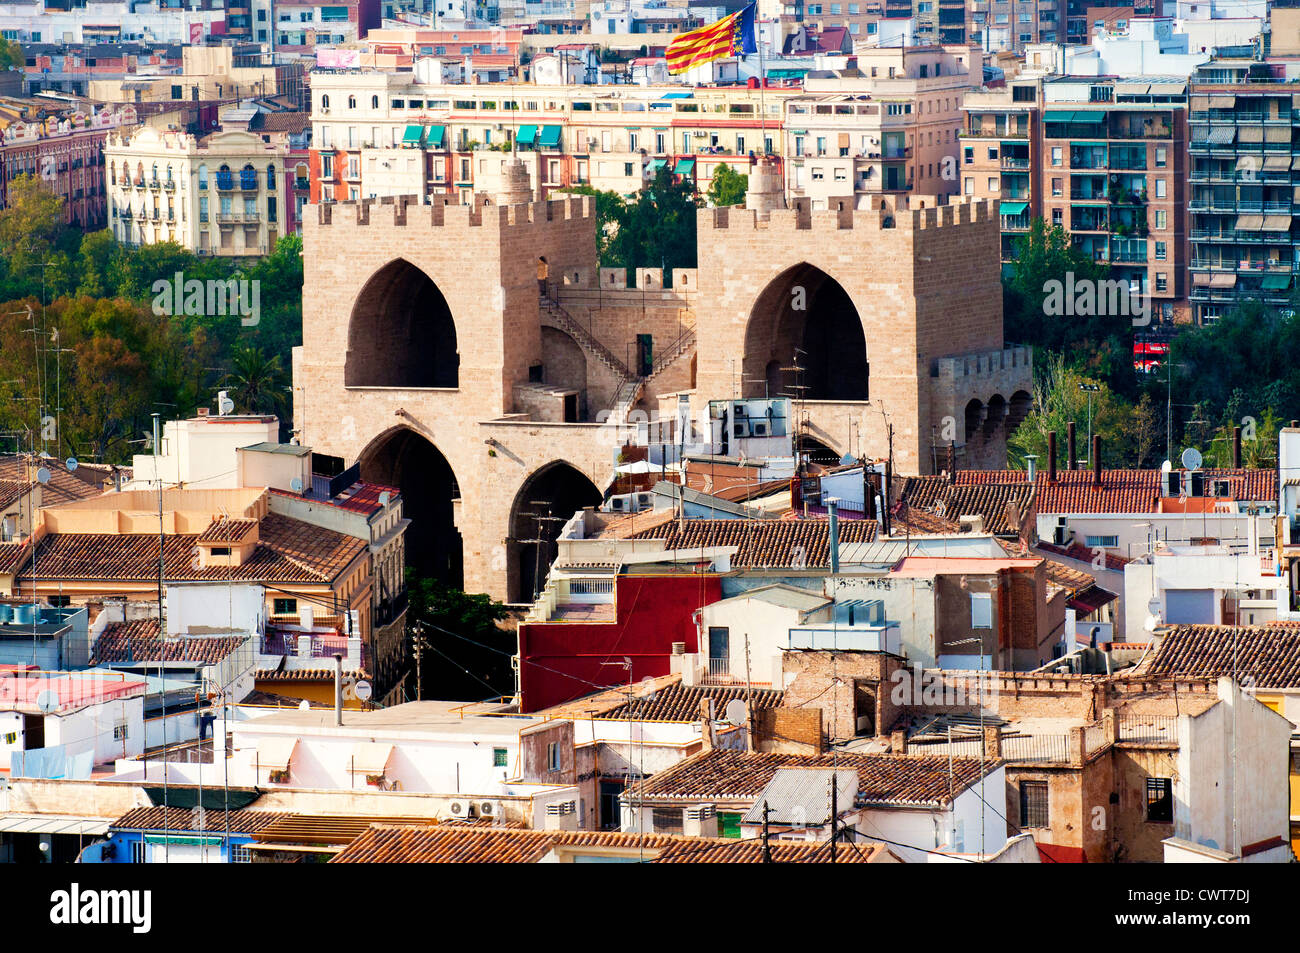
[408, 461]
[543, 505]
[805, 319]
[401, 333]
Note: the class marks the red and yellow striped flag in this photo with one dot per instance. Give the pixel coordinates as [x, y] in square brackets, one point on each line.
[733, 35]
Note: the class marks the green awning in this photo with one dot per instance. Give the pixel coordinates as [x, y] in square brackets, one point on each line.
[527, 135]
[1088, 145]
[657, 164]
[1057, 115]
[183, 840]
[1093, 118]
[413, 135]
[550, 137]
[1013, 208]
[685, 167]
[436, 135]
[1275, 282]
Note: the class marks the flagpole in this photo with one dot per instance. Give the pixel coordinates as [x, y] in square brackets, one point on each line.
[762, 82]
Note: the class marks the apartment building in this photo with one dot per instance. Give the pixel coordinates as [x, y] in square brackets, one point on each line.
[1009, 25]
[1102, 158]
[1243, 185]
[210, 73]
[301, 25]
[894, 129]
[221, 194]
[377, 134]
[67, 154]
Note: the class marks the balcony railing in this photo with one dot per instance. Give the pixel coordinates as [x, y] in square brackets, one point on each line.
[225, 182]
[1148, 729]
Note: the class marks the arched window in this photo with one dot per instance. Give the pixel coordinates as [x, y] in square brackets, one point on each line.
[325, 102]
[203, 177]
[270, 177]
[352, 102]
[153, 173]
[374, 102]
[112, 175]
[169, 173]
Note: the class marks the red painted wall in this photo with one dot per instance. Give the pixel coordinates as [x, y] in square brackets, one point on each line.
[561, 661]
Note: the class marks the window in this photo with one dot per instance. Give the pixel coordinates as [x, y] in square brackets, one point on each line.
[1162, 281]
[1161, 219]
[993, 183]
[285, 607]
[729, 824]
[1056, 155]
[239, 853]
[1057, 187]
[139, 852]
[1161, 157]
[553, 757]
[667, 820]
[11, 738]
[1160, 800]
[499, 756]
[1161, 251]
[968, 155]
[1102, 542]
[1033, 804]
[981, 610]
[1161, 186]
[993, 152]
[120, 731]
[968, 187]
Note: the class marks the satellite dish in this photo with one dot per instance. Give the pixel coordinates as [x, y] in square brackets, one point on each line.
[384, 498]
[736, 712]
[1191, 459]
[1166, 467]
[42, 475]
[48, 701]
[304, 705]
[362, 690]
[296, 484]
[71, 463]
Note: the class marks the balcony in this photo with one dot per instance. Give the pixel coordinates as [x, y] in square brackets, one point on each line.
[225, 182]
[169, 185]
[1015, 163]
[248, 181]
[238, 218]
[387, 611]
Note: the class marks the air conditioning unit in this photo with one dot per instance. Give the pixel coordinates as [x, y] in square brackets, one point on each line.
[760, 428]
[488, 808]
[461, 809]
[643, 500]
[561, 809]
[740, 428]
[701, 812]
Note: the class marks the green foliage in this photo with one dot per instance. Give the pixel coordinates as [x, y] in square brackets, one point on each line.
[1059, 399]
[728, 187]
[11, 55]
[456, 666]
[609, 211]
[122, 361]
[657, 229]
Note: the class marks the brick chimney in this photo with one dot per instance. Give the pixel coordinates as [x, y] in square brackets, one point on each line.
[993, 741]
[1096, 460]
[1070, 448]
[1051, 456]
[898, 742]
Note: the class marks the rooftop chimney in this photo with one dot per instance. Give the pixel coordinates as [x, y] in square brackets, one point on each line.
[1071, 456]
[1031, 467]
[952, 462]
[1096, 460]
[1051, 456]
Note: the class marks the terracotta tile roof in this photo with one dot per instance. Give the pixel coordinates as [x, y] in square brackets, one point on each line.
[995, 502]
[882, 778]
[11, 491]
[1083, 554]
[12, 555]
[294, 122]
[1065, 576]
[763, 544]
[225, 530]
[1269, 655]
[364, 497]
[918, 522]
[1137, 491]
[682, 703]
[288, 551]
[304, 674]
[187, 819]
[65, 486]
[495, 845]
[138, 641]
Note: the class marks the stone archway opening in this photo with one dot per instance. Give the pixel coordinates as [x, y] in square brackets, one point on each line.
[805, 340]
[401, 333]
[408, 461]
[543, 505]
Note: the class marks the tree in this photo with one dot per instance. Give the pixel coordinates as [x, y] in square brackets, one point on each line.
[466, 654]
[1058, 399]
[658, 229]
[257, 383]
[11, 55]
[610, 209]
[728, 187]
[32, 233]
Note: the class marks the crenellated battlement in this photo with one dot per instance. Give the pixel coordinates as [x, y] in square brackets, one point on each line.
[843, 216]
[407, 210]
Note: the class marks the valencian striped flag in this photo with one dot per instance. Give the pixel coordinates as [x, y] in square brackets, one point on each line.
[733, 35]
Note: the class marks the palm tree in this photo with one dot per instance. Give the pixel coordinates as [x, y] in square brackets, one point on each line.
[256, 383]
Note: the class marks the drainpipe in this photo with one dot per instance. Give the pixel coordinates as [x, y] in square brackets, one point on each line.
[338, 690]
[832, 506]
